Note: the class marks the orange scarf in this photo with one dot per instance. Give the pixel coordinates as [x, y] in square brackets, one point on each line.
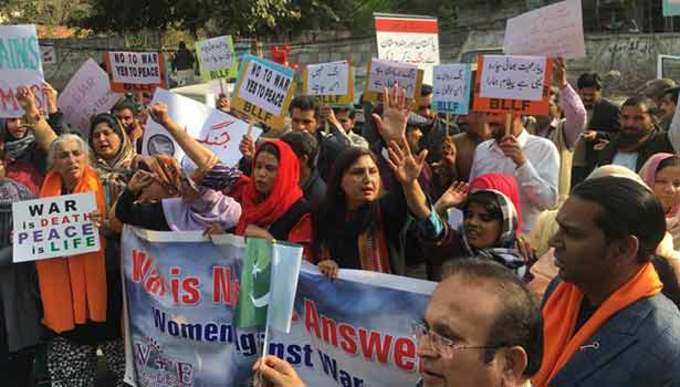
[561, 312]
[73, 289]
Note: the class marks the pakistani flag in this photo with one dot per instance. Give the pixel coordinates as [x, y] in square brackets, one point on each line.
[269, 280]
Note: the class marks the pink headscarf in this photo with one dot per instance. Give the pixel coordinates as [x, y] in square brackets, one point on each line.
[506, 184]
[648, 174]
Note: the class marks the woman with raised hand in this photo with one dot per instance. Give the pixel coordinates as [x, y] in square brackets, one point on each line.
[359, 225]
[490, 224]
[81, 298]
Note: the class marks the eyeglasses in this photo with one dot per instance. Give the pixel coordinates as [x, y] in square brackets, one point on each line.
[442, 345]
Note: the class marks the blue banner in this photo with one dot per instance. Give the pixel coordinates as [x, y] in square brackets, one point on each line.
[181, 291]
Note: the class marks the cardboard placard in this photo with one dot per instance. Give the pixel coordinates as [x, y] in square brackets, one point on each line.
[451, 88]
[87, 93]
[383, 73]
[330, 83]
[58, 226]
[410, 39]
[554, 30]
[135, 71]
[264, 91]
[218, 131]
[495, 95]
[48, 53]
[20, 65]
[216, 58]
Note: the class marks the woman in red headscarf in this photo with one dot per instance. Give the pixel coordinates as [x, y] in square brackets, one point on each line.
[490, 223]
[273, 206]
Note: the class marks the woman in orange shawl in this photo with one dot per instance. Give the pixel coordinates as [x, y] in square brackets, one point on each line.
[78, 304]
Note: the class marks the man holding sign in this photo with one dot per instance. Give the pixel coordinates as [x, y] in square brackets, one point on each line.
[533, 160]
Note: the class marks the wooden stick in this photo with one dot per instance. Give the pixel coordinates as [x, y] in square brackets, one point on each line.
[508, 123]
[448, 124]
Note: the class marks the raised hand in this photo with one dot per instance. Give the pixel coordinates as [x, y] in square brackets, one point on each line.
[329, 268]
[405, 166]
[453, 197]
[52, 95]
[392, 124]
[560, 72]
[26, 99]
[159, 113]
[140, 180]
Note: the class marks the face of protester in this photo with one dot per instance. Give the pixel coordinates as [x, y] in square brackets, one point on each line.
[589, 96]
[361, 182]
[636, 124]
[667, 106]
[126, 117]
[482, 229]
[496, 122]
[425, 106]
[265, 172]
[303, 121]
[345, 120]
[413, 137]
[462, 311]
[69, 162]
[475, 124]
[581, 249]
[223, 104]
[105, 141]
[156, 191]
[667, 187]
[15, 128]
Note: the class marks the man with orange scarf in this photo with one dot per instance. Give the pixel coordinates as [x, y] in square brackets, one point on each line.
[606, 322]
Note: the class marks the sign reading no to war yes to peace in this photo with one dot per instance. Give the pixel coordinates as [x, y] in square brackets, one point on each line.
[264, 90]
[135, 71]
[451, 88]
[216, 58]
[519, 84]
[20, 65]
[58, 226]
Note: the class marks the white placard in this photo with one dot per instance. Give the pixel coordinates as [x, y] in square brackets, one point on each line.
[87, 93]
[553, 30]
[386, 73]
[48, 54]
[20, 65]
[216, 53]
[409, 39]
[218, 131]
[328, 78]
[137, 68]
[265, 86]
[58, 226]
[513, 77]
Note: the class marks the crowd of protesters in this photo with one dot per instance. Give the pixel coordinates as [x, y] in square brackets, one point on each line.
[580, 207]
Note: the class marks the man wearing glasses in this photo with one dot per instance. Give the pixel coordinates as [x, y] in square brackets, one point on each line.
[482, 327]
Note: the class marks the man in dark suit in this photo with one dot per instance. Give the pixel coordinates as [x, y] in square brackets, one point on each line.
[606, 322]
[603, 117]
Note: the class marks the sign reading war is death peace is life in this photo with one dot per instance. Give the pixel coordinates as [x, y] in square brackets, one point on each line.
[385, 74]
[264, 90]
[451, 88]
[58, 226]
[216, 58]
[135, 71]
[517, 84]
[20, 65]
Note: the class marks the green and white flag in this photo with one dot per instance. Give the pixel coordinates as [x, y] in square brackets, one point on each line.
[268, 284]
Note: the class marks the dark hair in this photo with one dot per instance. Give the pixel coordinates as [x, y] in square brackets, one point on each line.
[425, 90]
[111, 120]
[125, 104]
[304, 103]
[648, 103]
[519, 322]
[303, 144]
[488, 200]
[673, 93]
[350, 109]
[587, 80]
[673, 161]
[269, 148]
[643, 216]
[333, 208]
[182, 45]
